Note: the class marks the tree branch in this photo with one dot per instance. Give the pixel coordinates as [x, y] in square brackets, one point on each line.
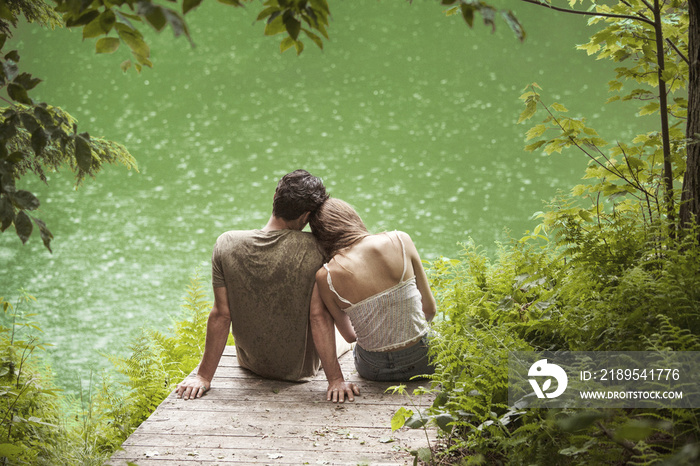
[680, 54]
[589, 13]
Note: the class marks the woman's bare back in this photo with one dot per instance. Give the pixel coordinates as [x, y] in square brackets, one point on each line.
[370, 266]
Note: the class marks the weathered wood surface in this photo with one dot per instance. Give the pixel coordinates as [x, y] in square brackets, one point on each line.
[245, 419]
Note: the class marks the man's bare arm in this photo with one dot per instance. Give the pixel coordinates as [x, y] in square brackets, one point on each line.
[218, 326]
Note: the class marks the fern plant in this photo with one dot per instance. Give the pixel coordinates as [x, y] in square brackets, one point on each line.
[601, 294]
[157, 362]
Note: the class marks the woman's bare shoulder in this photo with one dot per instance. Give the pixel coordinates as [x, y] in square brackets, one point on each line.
[321, 275]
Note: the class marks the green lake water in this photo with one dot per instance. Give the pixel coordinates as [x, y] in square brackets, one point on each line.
[407, 114]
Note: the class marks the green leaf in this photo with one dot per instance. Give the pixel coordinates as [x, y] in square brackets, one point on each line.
[177, 23]
[416, 421]
[579, 189]
[94, 29]
[317, 40]
[488, 14]
[585, 215]
[39, 140]
[399, 418]
[18, 94]
[125, 65]
[142, 60]
[46, 235]
[123, 21]
[23, 226]
[559, 107]
[425, 455]
[444, 421]
[189, 5]
[649, 109]
[106, 21]
[266, 12]
[12, 55]
[292, 24]
[29, 122]
[614, 85]
[321, 5]
[154, 14]
[10, 451]
[7, 213]
[468, 13]
[286, 44]
[107, 45]
[83, 153]
[514, 24]
[276, 26]
[83, 19]
[574, 450]
[27, 81]
[530, 110]
[534, 146]
[16, 157]
[36, 421]
[25, 200]
[8, 182]
[634, 162]
[590, 48]
[581, 420]
[133, 39]
[10, 69]
[535, 132]
[635, 430]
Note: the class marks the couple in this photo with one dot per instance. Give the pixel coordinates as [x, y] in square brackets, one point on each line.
[282, 292]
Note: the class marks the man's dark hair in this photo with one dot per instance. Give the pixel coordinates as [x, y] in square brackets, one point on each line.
[298, 192]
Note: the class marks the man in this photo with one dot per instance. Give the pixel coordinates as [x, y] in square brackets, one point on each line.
[263, 282]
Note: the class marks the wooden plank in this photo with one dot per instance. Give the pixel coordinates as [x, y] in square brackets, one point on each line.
[326, 438]
[245, 419]
[308, 394]
[276, 455]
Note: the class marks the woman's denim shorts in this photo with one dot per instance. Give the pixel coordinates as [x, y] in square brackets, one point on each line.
[394, 366]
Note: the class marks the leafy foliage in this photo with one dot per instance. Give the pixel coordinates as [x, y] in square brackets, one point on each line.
[650, 44]
[29, 406]
[607, 269]
[35, 425]
[613, 298]
[157, 362]
[37, 11]
[116, 22]
[36, 137]
[468, 8]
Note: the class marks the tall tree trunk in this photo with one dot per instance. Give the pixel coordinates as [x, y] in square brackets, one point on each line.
[690, 197]
[663, 111]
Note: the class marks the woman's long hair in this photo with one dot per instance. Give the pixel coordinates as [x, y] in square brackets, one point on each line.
[336, 226]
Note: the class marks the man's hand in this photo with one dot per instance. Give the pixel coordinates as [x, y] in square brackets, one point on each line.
[192, 387]
[339, 389]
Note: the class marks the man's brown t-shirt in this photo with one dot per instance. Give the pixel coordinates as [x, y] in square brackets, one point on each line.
[269, 276]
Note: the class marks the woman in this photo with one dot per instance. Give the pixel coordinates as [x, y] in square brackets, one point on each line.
[376, 290]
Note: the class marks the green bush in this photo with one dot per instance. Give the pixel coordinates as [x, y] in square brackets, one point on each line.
[29, 407]
[39, 426]
[156, 364]
[627, 286]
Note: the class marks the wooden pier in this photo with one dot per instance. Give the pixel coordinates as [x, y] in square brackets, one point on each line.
[245, 419]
